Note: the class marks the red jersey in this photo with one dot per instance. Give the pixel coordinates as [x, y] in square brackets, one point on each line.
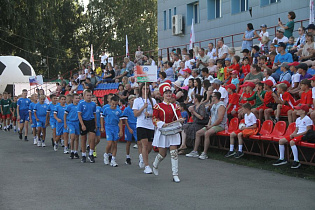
[306, 97]
[268, 98]
[164, 112]
[248, 95]
[287, 97]
[246, 69]
[234, 101]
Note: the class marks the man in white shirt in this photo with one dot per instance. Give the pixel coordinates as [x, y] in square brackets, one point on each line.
[221, 50]
[176, 63]
[103, 60]
[187, 62]
[202, 60]
[187, 76]
[280, 37]
[216, 84]
[211, 51]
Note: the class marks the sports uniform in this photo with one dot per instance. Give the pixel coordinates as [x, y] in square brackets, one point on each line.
[41, 111]
[132, 122]
[52, 120]
[23, 106]
[72, 119]
[87, 110]
[59, 111]
[31, 110]
[5, 104]
[112, 117]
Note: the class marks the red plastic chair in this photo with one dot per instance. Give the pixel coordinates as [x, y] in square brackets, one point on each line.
[279, 130]
[266, 129]
[233, 126]
[289, 131]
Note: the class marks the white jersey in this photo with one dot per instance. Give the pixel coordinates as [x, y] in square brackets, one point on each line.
[302, 124]
[142, 121]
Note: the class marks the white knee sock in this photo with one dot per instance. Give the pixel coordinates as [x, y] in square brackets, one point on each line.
[295, 153]
[240, 148]
[231, 147]
[281, 150]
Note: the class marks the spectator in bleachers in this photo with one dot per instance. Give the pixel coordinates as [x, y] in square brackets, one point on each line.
[295, 77]
[235, 66]
[247, 92]
[272, 49]
[264, 47]
[160, 63]
[190, 91]
[188, 59]
[234, 80]
[231, 52]
[184, 111]
[220, 70]
[250, 128]
[227, 73]
[272, 57]
[248, 37]
[268, 100]
[127, 92]
[289, 26]
[216, 123]
[121, 90]
[280, 37]
[282, 56]
[221, 50]
[109, 75]
[267, 74]
[257, 97]
[169, 71]
[138, 55]
[180, 72]
[82, 76]
[290, 44]
[198, 112]
[255, 54]
[246, 53]
[312, 112]
[103, 60]
[285, 75]
[306, 98]
[302, 69]
[233, 100]
[195, 74]
[262, 62]
[162, 77]
[202, 59]
[88, 85]
[212, 68]
[300, 41]
[311, 29]
[180, 93]
[307, 52]
[187, 76]
[184, 53]
[216, 84]
[198, 89]
[206, 84]
[263, 33]
[129, 65]
[255, 75]
[94, 79]
[245, 69]
[176, 65]
[285, 101]
[211, 51]
[74, 87]
[205, 74]
[123, 72]
[303, 124]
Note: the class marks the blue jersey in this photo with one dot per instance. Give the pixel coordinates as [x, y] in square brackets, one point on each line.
[41, 110]
[31, 108]
[98, 116]
[60, 111]
[185, 115]
[112, 116]
[87, 110]
[50, 109]
[128, 113]
[24, 104]
[72, 113]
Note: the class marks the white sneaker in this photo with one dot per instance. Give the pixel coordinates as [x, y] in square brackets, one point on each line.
[176, 179]
[106, 160]
[65, 151]
[35, 140]
[147, 170]
[39, 143]
[141, 164]
[135, 146]
[192, 154]
[155, 171]
[43, 144]
[55, 147]
[203, 156]
[62, 143]
[113, 163]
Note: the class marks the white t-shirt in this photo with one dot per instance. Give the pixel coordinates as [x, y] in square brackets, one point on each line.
[295, 78]
[103, 59]
[176, 64]
[153, 63]
[224, 49]
[261, 34]
[271, 79]
[142, 121]
[210, 54]
[313, 93]
[186, 81]
[190, 93]
[224, 94]
[188, 65]
[284, 39]
[302, 124]
[250, 119]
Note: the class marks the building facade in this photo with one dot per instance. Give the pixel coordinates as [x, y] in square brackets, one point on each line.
[218, 18]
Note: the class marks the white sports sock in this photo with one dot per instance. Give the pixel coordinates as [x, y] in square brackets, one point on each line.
[113, 158]
[83, 153]
[110, 154]
[75, 151]
[231, 147]
[240, 148]
[91, 152]
[127, 156]
[281, 150]
[72, 151]
[295, 153]
[14, 127]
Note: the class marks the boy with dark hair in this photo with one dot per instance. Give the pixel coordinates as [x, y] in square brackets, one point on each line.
[50, 119]
[40, 112]
[22, 113]
[59, 117]
[233, 100]
[98, 128]
[88, 124]
[113, 129]
[5, 110]
[32, 116]
[246, 67]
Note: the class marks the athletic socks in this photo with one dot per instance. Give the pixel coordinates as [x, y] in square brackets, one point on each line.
[113, 158]
[91, 152]
[127, 156]
[231, 147]
[83, 153]
[281, 150]
[72, 151]
[240, 148]
[75, 151]
[295, 153]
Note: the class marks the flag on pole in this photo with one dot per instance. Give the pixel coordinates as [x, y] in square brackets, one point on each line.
[92, 58]
[192, 35]
[311, 11]
[127, 47]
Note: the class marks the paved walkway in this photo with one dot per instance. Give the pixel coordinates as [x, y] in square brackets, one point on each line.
[39, 178]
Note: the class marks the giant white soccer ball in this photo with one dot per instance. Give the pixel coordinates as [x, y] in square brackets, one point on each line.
[14, 69]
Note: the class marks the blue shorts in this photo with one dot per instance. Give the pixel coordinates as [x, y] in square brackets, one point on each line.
[98, 132]
[41, 123]
[73, 128]
[112, 133]
[128, 135]
[60, 129]
[53, 123]
[24, 116]
[34, 122]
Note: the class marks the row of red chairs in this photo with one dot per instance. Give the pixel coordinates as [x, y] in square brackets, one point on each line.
[101, 93]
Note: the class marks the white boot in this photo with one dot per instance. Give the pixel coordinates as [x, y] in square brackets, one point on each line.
[174, 161]
[156, 163]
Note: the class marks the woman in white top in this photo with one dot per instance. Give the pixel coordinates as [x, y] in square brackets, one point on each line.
[198, 90]
[138, 55]
[143, 110]
[307, 52]
[190, 91]
[263, 32]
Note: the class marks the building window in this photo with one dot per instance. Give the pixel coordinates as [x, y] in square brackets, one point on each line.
[214, 9]
[164, 14]
[239, 6]
[193, 12]
[170, 19]
[267, 2]
[175, 13]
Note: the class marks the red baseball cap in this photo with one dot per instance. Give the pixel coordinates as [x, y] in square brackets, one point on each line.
[187, 70]
[268, 82]
[232, 86]
[234, 72]
[295, 63]
[250, 84]
[303, 107]
[285, 82]
[313, 78]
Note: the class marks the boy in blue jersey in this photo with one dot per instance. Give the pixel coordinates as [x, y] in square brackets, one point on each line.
[113, 129]
[40, 112]
[59, 116]
[22, 113]
[50, 119]
[130, 126]
[98, 121]
[71, 122]
[87, 118]
[32, 116]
